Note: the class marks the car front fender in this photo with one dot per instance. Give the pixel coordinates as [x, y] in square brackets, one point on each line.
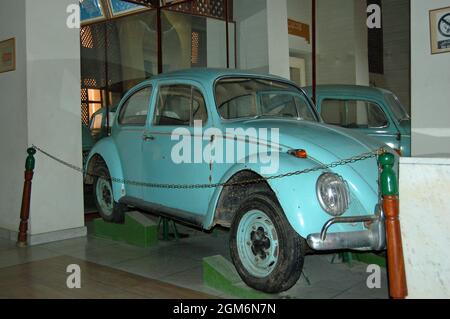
[107, 150]
[296, 194]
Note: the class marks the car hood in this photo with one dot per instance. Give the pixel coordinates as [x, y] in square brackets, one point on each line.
[324, 143]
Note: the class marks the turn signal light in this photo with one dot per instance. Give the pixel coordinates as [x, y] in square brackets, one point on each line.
[299, 153]
[398, 151]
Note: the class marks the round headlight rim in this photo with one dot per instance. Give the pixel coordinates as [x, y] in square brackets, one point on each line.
[344, 183]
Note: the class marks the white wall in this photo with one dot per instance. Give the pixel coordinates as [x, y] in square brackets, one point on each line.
[396, 42]
[263, 43]
[216, 43]
[252, 41]
[301, 10]
[430, 83]
[425, 218]
[45, 106]
[13, 122]
[360, 46]
[278, 40]
[342, 42]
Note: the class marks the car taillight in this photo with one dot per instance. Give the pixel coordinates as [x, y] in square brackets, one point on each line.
[398, 151]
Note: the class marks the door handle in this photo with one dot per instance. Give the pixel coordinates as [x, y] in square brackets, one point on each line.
[148, 137]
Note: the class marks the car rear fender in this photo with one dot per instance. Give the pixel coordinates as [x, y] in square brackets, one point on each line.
[106, 150]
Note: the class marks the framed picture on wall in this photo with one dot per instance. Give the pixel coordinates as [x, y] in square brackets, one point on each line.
[440, 30]
[7, 55]
[91, 11]
[119, 7]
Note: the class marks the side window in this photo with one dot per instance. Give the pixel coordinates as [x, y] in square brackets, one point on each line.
[199, 112]
[96, 123]
[304, 110]
[135, 109]
[353, 114]
[332, 112]
[376, 116]
[180, 105]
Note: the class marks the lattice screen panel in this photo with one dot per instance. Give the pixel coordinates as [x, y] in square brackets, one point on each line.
[85, 113]
[207, 8]
[93, 67]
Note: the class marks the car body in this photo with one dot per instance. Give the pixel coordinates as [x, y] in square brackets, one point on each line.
[380, 113]
[141, 148]
[87, 141]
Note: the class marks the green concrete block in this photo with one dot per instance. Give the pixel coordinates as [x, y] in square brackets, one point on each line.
[137, 230]
[220, 274]
[103, 229]
[140, 230]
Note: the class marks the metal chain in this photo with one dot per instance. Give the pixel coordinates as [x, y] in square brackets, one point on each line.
[347, 161]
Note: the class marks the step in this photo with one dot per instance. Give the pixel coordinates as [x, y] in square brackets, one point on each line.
[220, 274]
[137, 230]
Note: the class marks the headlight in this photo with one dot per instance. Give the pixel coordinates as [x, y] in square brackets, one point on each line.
[333, 194]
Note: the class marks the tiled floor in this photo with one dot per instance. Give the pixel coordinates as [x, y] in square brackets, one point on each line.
[180, 263]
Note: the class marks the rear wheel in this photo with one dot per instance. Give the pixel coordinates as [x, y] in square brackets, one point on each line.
[266, 251]
[110, 210]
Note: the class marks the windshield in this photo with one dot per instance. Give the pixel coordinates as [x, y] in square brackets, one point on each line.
[255, 97]
[397, 107]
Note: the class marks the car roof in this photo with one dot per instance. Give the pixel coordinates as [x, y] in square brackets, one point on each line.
[211, 74]
[359, 90]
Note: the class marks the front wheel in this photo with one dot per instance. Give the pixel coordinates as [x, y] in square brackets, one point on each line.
[267, 252]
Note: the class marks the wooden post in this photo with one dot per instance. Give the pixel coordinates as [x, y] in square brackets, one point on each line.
[396, 264]
[26, 197]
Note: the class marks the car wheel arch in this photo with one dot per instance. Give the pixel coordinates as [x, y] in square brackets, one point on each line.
[230, 198]
[94, 161]
[105, 152]
[297, 209]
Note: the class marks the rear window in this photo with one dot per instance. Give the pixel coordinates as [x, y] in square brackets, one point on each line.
[353, 113]
[257, 97]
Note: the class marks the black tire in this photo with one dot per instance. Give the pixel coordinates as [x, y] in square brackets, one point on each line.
[117, 213]
[291, 247]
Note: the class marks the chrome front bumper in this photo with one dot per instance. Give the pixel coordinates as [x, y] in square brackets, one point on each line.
[374, 238]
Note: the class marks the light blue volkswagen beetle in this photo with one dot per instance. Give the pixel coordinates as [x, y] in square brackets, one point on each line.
[272, 222]
[372, 111]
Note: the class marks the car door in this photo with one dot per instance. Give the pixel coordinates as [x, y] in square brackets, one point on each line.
[175, 108]
[127, 134]
[360, 114]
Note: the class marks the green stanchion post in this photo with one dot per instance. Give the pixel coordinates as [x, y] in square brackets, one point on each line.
[26, 198]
